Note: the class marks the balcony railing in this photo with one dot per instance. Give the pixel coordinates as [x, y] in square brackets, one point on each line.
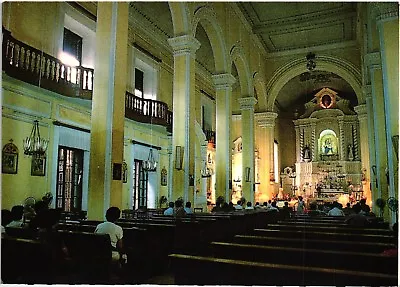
[33, 66]
[147, 111]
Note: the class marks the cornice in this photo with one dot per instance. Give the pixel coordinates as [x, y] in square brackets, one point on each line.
[361, 109]
[183, 45]
[247, 103]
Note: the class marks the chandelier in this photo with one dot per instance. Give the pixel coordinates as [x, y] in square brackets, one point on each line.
[150, 164]
[206, 172]
[34, 144]
[311, 61]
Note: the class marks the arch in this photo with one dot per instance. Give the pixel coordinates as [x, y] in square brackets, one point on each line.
[180, 17]
[239, 59]
[259, 85]
[344, 69]
[206, 16]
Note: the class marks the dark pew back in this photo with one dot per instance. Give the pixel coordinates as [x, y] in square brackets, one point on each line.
[197, 270]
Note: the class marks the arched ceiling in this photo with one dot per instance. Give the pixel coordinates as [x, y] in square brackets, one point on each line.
[301, 89]
[159, 15]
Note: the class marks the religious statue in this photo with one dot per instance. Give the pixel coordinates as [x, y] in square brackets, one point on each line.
[328, 146]
[350, 154]
[306, 153]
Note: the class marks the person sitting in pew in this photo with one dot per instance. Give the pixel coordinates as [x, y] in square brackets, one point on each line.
[179, 210]
[248, 206]
[357, 218]
[115, 231]
[314, 211]
[238, 205]
[6, 218]
[170, 209]
[336, 211]
[348, 210]
[188, 208]
[286, 211]
[17, 213]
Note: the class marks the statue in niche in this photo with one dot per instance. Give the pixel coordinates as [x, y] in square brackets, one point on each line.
[350, 152]
[328, 146]
[306, 153]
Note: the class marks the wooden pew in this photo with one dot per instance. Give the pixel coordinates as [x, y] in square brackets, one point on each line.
[90, 254]
[24, 261]
[355, 246]
[324, 235]
[330, 228]
[309, 257]
[21, 232]
[198, 270]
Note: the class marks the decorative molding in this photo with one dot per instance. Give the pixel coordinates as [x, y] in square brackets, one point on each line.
[184, 45]
[383, 11]
[247, 103]
[373, 60]
[361, 110]
[223, 81]
[236, 118]
[367, 91]
[265, 119]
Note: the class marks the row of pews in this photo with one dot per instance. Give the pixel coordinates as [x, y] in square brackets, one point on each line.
[148, 241]
[299, 251]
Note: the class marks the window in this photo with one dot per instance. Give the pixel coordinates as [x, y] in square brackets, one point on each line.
[140, 180]
[72, 48]
[69, 179]
[139, 77]
[276, 163]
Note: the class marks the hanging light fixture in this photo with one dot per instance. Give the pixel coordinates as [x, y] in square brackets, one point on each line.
[34, 144]
[150, 164]
[205, 172]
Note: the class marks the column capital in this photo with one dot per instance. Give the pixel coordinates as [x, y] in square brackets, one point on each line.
[223, 81]
[382, 11]
[361, 109]
[183, 45]
[266, 119]
[367, 91]
[373, 60]
[247, 103]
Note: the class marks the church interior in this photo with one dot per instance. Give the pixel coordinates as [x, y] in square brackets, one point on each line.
[138, 104]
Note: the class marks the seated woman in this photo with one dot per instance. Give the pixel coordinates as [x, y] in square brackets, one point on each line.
[17, 213]
[115, 231]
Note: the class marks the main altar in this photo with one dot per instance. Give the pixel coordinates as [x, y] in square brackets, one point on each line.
[328, 165]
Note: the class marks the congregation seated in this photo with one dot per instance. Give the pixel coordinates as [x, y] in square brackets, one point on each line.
[249, 206]
[114, 231]
[257, 205]
[336, 210]
[238, 205]
[347, 210]
[286, 210]
[365, 209]
[6, 218]
[170, 209]
[188, 208]
[179, 209]
[314, 211]
[357, 218]
[17, 213]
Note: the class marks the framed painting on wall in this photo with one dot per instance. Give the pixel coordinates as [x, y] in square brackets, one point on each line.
[10, 158]
[38, 166]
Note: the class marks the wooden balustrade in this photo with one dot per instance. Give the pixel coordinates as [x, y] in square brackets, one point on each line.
[147, 111]
[33, 66]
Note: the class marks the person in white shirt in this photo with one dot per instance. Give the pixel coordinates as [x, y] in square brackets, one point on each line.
[115, 231]
[238, 205]
[17, 212]
[249, 207]
[170, 209]
[336, 211]
[188, 208]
